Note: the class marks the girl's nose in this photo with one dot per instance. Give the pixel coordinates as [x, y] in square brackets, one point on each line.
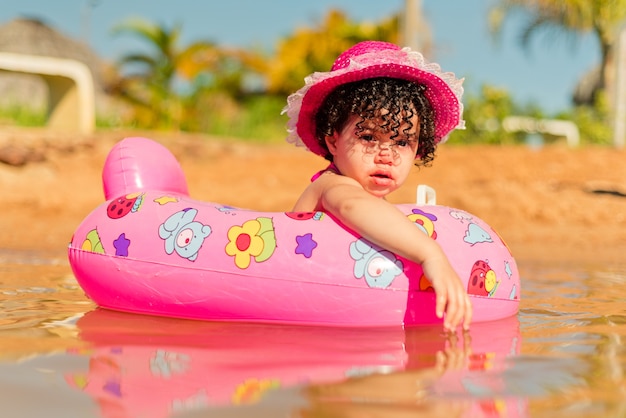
[386, 152]
[384, 146]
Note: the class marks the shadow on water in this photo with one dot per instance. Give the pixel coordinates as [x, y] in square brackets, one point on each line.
[563, 355]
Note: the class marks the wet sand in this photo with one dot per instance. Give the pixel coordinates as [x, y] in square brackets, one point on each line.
[554, 204]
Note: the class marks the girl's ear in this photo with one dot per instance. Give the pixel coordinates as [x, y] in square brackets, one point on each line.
[331, 143]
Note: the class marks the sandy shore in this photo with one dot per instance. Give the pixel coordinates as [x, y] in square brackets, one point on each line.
[553, 204]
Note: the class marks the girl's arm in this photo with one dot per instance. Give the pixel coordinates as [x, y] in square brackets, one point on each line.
[383, 224]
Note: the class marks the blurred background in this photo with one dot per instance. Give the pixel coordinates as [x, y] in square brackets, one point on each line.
[195, 74]
[226, 69]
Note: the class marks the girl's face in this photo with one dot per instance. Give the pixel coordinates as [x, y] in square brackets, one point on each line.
[370, 156]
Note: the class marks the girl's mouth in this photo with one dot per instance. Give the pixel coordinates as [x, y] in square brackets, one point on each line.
[381, 178]
[381, 175]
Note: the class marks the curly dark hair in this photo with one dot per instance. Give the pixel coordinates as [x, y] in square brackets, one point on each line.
[366, 98]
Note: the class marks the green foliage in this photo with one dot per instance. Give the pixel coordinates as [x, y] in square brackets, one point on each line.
[21, 115]
[149, 82]
[483, 116]
[218, 98]
[203, 88]
[26, 116]
[593, 122]
[315, 49]
[567, 18]
[107, 121]
[257, 119]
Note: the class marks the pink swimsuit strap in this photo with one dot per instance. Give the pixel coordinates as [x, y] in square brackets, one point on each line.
[331, 167]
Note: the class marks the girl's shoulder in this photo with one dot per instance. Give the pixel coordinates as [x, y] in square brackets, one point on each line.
[332, 168]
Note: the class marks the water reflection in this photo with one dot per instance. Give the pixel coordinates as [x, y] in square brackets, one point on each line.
[570, 359]
[148, 366]
[577, 316]
[37, 302]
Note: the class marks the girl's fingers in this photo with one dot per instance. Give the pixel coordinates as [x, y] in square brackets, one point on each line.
[468, 312]
[442, 301]
[455, 311]
[458, 309]
[453, 305]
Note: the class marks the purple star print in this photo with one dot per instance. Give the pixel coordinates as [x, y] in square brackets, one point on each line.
[121, 245]
[306, 245]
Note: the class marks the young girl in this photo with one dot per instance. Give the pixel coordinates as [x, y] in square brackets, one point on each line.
[377, 112]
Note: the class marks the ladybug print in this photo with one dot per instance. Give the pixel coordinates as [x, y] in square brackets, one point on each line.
[122, 206]
[482, 280]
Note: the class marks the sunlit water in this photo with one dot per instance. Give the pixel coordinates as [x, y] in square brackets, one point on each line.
[563, 356]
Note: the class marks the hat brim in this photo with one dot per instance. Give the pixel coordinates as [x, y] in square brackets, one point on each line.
[443, 90]
[443, 101]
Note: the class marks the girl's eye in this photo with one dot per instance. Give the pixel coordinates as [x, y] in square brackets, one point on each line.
[405, 143]
[366, 137]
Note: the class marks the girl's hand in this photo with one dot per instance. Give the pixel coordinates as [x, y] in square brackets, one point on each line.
[453, 302]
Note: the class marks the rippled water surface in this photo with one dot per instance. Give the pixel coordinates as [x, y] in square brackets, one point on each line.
[563, 355]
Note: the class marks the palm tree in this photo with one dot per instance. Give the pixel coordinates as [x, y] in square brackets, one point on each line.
[602, 18]
[152, 80]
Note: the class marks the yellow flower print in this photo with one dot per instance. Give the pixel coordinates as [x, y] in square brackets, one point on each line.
[255, 238]
[93, 243]
[252, 390]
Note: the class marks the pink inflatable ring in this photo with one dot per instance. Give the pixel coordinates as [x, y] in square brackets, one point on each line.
[151, 249]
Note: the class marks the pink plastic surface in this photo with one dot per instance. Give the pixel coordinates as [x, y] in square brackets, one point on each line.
[152, 249]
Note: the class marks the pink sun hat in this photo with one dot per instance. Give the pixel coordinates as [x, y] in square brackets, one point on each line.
[372, 59]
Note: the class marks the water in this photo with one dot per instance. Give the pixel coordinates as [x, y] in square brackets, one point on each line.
[60, 356]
